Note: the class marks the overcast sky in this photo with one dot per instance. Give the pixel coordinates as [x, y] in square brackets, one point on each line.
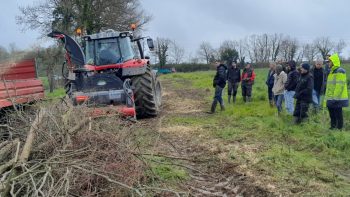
[190, 22]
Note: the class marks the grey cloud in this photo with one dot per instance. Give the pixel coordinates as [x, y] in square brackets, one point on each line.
[190, 22]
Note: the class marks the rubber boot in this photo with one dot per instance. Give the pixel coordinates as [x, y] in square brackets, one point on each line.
[213, 107]
[229, 98]
[249, 99]
[222, 107]
[244, 99]
[234, 99]
[297, 120]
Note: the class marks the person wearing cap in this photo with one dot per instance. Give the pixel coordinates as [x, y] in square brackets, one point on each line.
[280, 78]
[233, 80]
[336, 96]
[270, 81]
[303, 93]
[290, 86]
[248, 77]
[219, 84]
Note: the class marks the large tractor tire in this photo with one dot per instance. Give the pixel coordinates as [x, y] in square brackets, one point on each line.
[148, 94]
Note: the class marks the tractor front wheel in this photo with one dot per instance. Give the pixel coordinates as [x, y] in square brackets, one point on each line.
[147, 94]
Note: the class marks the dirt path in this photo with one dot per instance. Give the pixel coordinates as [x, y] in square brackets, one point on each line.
[201, 156]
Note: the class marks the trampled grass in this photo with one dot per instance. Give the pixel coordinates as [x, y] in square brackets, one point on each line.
[307, 157]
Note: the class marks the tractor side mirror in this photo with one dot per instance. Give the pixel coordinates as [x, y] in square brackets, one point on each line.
[150, 44]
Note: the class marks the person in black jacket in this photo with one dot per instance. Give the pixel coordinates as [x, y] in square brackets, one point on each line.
[233, 79]
[319, 76]
[290, 86]
[270, 82]
[303, 93]
[219, 84]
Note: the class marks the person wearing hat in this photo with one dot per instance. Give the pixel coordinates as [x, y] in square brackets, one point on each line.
[248, 77]
[233, 79]
[303, 93]
[336, 96]
[290, 86]
[219, 83]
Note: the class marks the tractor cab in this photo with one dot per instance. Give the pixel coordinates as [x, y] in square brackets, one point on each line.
[108, 48]
[107, 71]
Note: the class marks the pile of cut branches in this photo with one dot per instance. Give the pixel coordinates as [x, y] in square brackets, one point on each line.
[58, 150]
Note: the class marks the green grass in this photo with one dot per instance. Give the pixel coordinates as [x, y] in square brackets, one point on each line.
[57, 93]
[165, 170]
[299, 154]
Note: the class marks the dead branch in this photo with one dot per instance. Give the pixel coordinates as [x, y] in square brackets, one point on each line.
[110, 180]
[30, 137]
[166, 156]
[78, 126]
[7, 149]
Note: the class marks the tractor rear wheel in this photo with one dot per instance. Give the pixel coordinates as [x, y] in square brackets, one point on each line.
[147, 94]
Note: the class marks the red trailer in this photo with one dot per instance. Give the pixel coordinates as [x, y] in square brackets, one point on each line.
[19, 83]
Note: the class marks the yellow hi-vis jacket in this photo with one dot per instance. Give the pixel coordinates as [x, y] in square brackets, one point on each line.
[337, 91]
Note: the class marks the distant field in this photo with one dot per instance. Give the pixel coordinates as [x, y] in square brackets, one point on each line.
[306, 157]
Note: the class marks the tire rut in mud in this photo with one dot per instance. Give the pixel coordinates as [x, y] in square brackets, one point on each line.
[209, 176]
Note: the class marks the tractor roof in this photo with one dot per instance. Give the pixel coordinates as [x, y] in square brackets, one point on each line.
[108, 34]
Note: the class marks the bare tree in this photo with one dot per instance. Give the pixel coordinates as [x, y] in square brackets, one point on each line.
[275, 45]
[227, 51]
[324, 46]
[206, 51]
[162, 50]
[177, 52]
[242, 50]
[289, 48]
[51, 56]
[252, 45]
[228, 44]
[340, 46]
[259, 48]
[90, 15]
[4, 54]
[310, 52]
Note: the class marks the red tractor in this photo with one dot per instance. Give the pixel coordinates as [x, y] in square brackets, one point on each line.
[106, 71]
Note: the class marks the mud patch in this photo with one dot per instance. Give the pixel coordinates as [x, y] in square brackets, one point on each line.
[210, 173]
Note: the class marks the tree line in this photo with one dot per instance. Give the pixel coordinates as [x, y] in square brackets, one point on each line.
[258, 49]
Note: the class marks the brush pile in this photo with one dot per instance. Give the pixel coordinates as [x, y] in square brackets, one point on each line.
[58, 150]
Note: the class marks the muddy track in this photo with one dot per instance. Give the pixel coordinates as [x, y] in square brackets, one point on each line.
[209, 174]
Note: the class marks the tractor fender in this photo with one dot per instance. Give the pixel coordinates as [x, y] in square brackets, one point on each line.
[135, 67]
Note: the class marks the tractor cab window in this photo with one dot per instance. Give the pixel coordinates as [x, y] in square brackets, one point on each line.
[126, 48]
[108, 51]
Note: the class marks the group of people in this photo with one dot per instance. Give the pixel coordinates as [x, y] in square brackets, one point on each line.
[233, 76]
[298, 87]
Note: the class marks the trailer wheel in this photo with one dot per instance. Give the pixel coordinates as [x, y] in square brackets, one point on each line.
[147, 94]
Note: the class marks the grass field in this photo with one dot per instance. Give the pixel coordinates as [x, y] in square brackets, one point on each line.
[306, 157]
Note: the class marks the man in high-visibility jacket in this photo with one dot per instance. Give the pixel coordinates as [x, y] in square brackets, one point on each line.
[336, 96]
